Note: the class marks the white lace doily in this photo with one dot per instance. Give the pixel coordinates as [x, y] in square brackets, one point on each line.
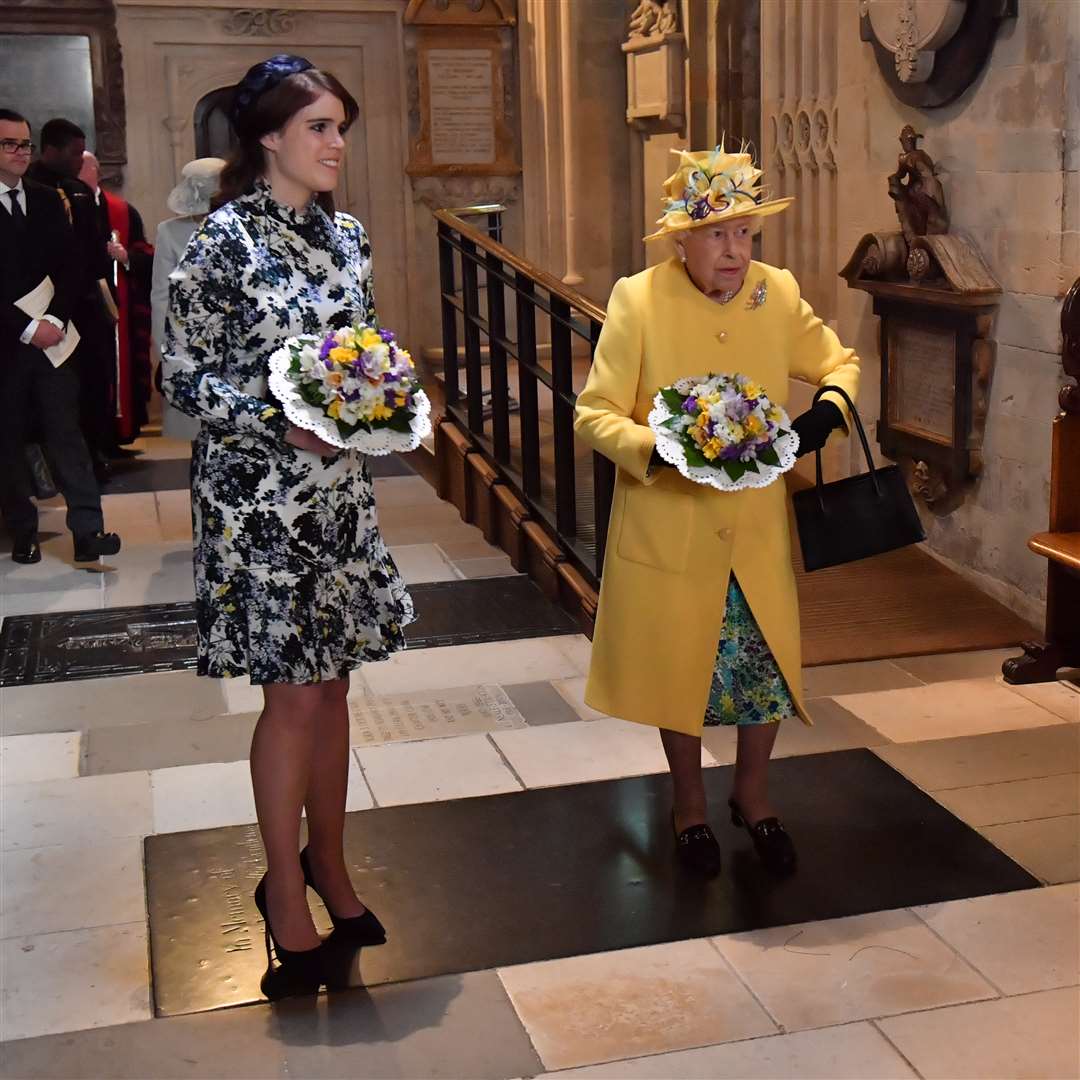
[376, 443]
[670, 448]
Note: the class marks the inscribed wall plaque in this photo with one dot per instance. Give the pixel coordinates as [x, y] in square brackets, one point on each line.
[922, 380]
[462, 110]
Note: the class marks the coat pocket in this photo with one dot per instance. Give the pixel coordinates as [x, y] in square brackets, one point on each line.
[656, 527]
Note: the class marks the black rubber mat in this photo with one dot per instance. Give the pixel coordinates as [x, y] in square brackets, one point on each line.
[481, 883]
[62, 646]
[173, 474]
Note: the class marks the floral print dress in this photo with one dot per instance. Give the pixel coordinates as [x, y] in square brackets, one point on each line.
[293, 583]
[747, 687]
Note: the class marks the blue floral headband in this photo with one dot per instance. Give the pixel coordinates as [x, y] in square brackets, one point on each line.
[262, 77]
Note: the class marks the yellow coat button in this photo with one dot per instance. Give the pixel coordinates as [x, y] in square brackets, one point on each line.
[724, 534]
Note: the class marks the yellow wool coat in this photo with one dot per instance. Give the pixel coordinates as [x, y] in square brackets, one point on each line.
[672, 544]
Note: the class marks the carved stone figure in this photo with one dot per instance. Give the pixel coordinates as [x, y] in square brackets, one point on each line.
[920, 202]
[653, 18]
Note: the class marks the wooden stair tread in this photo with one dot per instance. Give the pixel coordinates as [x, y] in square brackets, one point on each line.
[1062, 547]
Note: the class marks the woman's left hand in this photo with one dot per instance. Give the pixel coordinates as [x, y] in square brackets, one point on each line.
[815, 425]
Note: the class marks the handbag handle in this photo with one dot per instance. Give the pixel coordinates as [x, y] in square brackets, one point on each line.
[862, 438]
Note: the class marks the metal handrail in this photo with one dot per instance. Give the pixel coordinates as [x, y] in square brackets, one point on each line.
[583, 481]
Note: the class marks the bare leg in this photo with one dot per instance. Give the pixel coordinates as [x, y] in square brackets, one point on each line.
[281, 752]
[684, 760]
[751, 788]
[325, 802]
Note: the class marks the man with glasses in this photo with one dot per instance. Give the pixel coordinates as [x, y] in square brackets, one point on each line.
[35, 243]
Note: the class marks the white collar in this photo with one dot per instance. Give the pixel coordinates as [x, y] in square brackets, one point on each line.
[5, 188]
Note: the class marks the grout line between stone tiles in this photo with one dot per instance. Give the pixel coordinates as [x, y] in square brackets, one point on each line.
[953, 949]
[506, 760]
[903, 1057]
[355, 751]
[780, 1028]
[521, 1021]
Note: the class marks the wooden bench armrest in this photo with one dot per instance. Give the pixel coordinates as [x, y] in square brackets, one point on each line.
[1062, 547]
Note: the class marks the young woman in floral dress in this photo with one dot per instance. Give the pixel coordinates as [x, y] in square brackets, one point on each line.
[294, 585]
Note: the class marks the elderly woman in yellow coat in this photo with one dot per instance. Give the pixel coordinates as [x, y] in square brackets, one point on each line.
[698, 620]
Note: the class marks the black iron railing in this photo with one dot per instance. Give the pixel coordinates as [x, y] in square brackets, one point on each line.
[540, 336]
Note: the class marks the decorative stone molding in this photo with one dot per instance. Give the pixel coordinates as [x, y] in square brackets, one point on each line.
[460, 13]
[447, 192]
[259, 22]
[930, 51]
[96, 19]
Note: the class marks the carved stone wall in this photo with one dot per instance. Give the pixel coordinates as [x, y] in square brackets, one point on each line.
[1008, 153]
[174, 54]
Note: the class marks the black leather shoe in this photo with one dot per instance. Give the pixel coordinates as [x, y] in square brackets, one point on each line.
[771, 841]
[298, 972]
[698, 849]
[356, 929]
[26, 549]
[91, 546]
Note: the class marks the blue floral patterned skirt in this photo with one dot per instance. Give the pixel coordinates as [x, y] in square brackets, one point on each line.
[747, 687]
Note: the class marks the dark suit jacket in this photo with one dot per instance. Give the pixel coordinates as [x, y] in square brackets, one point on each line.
[45, 249]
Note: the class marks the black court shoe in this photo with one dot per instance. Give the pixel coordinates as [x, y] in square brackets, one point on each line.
[91, 546]
[771, 841]
[698, 849]
[298, 972]
[25, 549]
[357, 929]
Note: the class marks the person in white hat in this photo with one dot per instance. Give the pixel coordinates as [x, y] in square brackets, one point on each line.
[190, 201]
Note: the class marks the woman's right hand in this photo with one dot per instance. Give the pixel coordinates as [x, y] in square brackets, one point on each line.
[309, 441]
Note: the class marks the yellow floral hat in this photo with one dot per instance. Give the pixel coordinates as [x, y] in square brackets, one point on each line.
[711, 186]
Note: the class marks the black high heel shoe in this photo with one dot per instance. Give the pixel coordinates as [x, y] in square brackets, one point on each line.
[358, 929]
[771, 841]
[298, 971]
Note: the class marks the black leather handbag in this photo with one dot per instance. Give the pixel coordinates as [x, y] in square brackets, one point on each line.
[858, 516]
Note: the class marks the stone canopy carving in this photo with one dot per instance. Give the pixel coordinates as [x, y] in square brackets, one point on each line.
[930, 51]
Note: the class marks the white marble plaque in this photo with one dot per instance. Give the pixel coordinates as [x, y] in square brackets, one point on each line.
[922, 369]
[462, 108]
[431, 714]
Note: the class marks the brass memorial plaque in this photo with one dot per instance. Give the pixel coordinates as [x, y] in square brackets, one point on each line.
[922, 380]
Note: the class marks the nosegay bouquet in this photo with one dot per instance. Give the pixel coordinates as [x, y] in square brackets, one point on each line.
[723, 430]
[355, 388]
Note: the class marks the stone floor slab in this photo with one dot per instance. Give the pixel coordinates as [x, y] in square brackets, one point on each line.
[589, 1009]
[584, 751]
[88, 809]
[946, 710]
[940, 764]
[25, 759]
[433, 771]
[836, 971]
[1015, 800]
[50, 889]
[415, 1031]
[422, 562]
[1049, 848]
[1021, 942]
[1036, 1035]
[74, 980]
[949, 667]
[863, 677]
[160, 745]
[430, 714]
[1057, 697]
[848, 1052]
[540, 704]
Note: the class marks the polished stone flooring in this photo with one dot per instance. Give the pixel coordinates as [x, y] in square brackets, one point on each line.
[982, 986]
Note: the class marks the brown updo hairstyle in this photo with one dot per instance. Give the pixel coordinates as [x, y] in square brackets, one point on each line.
[268, 113]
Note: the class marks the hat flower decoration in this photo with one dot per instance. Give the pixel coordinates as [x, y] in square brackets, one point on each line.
[711, 186]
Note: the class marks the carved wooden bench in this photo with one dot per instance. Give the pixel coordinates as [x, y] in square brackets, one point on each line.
[1060, 544]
